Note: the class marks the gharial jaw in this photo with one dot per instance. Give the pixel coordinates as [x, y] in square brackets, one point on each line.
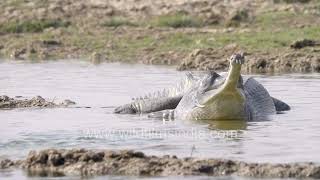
[226, 102]
[236, 61]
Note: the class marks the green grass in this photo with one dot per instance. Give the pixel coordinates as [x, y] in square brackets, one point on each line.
[267, 39]
[32, 26]
[131, 46]
[291, 1]
[268, 31]
[118, 21]
[177, 21]
[272, 20]
[252, 41]
[23, 4]
[15, 3]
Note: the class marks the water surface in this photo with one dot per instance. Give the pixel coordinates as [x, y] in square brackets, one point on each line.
[289, 137]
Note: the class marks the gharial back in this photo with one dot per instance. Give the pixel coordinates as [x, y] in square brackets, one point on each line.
[160, 100]
[259, 103]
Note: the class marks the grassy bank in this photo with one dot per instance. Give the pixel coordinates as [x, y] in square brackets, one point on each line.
[163, 39]
[127, 43]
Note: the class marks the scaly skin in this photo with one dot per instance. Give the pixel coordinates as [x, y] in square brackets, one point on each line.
[161, 100]
[211, 97]
[224, 103]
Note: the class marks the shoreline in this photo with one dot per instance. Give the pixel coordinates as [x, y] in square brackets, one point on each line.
[277, 36]
[82, 162]
[209, 59]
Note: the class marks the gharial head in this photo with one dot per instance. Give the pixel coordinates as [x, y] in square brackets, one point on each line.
[219, 97]
[213, 80]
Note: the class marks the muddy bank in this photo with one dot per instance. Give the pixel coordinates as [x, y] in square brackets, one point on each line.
[38, 101]
[259, 62]
[96, 11]
[52, 162]
[192, 34]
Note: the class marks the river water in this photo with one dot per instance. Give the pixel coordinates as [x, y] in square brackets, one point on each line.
[290, 137]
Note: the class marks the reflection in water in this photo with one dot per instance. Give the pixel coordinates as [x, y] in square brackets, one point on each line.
[292, 136]
[227, 124]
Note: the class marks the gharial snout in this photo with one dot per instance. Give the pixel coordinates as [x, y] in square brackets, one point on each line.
[237, 58]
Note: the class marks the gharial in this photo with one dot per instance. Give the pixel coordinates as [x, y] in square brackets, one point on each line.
[212, 97]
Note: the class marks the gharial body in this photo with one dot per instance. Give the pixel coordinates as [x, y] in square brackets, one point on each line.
[211, 97]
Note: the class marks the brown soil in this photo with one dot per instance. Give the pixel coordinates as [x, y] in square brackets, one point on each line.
[88, 38]
[275, 62]
[9, 103]
[53, 162]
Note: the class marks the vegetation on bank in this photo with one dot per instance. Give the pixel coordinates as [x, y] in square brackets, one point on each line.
[120, 38]
[267, 31]
[178, 20]
[32, 26]
[131, 44]
[118, 21]
[265, 20]
[291, 1]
